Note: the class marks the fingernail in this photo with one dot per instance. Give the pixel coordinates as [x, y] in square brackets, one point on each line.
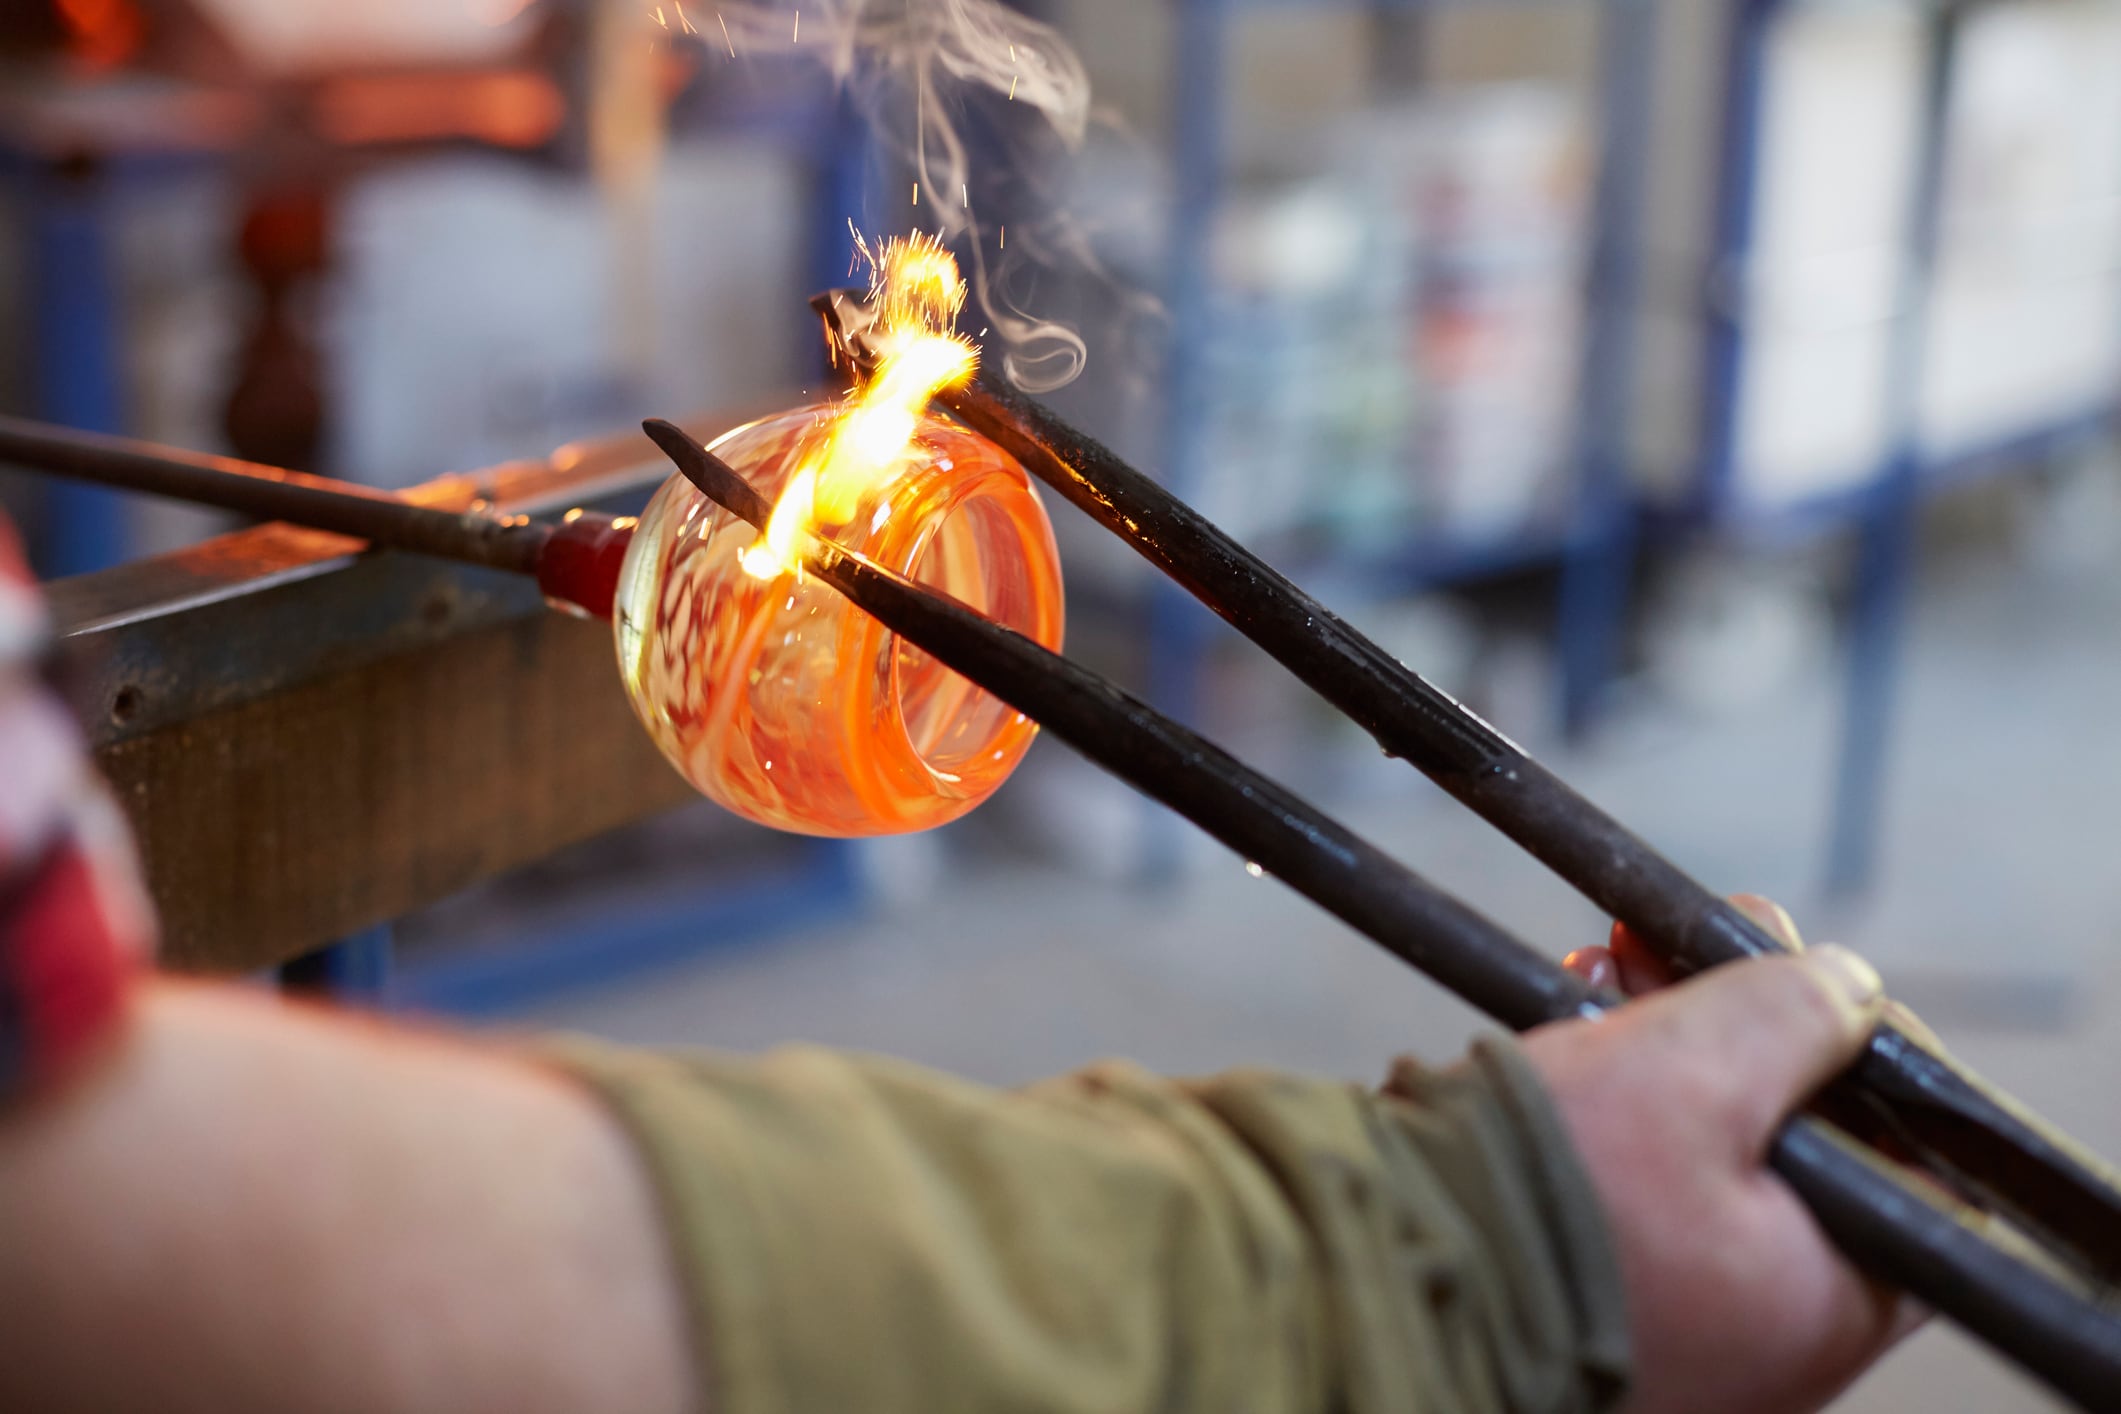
[1772, 917]
[1913, 1025]
[1852, 979]
[1593, 965]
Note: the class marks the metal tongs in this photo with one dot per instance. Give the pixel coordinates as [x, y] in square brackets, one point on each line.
[1923, 1173]
[2037, 1285]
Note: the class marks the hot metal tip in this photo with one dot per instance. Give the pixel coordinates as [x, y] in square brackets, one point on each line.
[849, 318]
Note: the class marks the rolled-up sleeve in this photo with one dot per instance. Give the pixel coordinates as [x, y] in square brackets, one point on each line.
[860, 1234]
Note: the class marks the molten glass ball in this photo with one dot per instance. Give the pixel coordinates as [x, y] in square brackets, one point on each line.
[788, 705]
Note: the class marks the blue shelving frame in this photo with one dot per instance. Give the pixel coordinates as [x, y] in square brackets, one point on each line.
[1882, 507]
[1597, 544]
[1594, 544]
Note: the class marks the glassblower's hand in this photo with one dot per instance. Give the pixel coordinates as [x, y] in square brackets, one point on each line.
[1736, 1301]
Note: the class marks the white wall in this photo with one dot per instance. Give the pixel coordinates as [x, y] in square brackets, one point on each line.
[485, 308]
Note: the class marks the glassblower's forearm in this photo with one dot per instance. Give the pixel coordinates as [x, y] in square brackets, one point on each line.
[255, 1206]
[251, 1206]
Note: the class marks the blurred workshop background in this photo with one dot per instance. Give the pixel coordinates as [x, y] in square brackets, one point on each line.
[1718, 395]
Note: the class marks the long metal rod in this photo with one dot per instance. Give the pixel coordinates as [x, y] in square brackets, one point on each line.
[1960, 1125]
[272, 493]
[1891, 1226]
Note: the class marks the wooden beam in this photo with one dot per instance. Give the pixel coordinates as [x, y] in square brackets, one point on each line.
[310, 739]
[277, 825]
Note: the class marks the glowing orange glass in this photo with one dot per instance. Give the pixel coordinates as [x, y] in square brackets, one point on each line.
[788, 705]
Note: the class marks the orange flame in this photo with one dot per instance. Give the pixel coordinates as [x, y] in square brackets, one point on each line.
[916, 293]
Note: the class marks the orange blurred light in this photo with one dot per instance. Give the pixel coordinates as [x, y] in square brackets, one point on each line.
[101, 34]
[505, 108]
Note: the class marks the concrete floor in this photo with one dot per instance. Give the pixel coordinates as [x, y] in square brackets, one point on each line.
[1997, 911]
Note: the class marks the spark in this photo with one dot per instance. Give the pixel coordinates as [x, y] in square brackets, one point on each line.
[1005, 238]
[1012, 88]
[683, 18]
[797, 36]
[725, 33]
[916, 193]
[659, 17]
[965, 190]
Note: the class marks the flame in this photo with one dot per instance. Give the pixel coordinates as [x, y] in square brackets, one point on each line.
[916, 292]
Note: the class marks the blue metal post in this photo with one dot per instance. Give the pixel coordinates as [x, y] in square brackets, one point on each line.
[75, 337]
[1178, 630]
[1599, 556]
[1723, 291]
[1885, 564]
[841, 194]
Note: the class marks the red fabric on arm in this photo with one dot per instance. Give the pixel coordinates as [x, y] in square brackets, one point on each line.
[74, 921]
[64, 965]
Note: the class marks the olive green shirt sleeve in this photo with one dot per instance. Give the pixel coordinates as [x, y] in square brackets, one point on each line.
[860, 1234]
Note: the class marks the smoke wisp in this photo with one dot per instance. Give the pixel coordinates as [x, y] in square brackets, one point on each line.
[920, 69]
